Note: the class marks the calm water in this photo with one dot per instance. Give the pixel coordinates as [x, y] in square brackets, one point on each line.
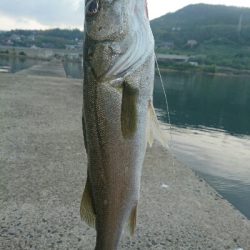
[73, 70]
[15, 64]
[211, 129]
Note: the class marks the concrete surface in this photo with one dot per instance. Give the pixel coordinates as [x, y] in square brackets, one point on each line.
[43, 53]
[48, 68]
[43, 169]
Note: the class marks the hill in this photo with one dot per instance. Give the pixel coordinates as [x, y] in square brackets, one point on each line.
[54, 38]
[215, 34]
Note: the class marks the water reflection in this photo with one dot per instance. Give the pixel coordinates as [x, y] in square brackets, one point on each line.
[212, 101]
[15, 64]
[73, 69]
[220, 158]
[211, 130]
[228, 156]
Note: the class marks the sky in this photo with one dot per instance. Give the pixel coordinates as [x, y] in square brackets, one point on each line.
[45, 14]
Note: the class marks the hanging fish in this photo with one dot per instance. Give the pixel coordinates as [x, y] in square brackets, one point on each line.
[118, 114]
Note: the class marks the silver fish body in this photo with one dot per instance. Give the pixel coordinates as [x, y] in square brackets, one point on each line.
[117, 97]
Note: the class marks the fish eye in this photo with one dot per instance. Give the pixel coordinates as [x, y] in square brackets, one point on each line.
[92, 7]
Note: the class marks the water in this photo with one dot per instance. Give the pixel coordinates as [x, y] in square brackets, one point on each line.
[15, 64]
[73, 69]
[211, 129]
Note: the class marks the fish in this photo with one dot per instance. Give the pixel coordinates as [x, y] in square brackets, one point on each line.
[118, 117]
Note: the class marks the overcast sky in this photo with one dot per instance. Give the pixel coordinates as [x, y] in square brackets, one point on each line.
[43, 14]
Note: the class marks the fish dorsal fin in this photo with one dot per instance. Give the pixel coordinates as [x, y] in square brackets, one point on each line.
[154, 132]
[87, 206]
[132, 221]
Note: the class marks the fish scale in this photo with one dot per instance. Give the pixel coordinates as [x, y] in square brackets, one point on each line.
[116, 117]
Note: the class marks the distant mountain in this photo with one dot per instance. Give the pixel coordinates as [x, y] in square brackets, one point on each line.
[211, 34]
[204, 23]
[54, 38]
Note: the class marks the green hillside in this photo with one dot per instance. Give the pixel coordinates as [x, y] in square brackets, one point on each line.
[214, 34]
[53, 38]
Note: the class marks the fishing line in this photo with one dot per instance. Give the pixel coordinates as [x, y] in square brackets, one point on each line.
[164, 91]
[166, 103]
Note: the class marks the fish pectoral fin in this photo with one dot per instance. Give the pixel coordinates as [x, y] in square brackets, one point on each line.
[87, 211]
[132, 221]
[129, 110]
[154, 132]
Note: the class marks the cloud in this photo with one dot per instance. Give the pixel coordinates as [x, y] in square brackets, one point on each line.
[55, 13]
[8, 23]
[36, 14]
[161, 7]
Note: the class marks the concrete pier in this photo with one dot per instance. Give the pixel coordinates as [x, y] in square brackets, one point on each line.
[48, 68]
[43, 170]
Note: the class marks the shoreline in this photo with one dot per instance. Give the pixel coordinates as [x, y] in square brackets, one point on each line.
[46, 54]
[41, 53]
[43, 171]
[232, 73]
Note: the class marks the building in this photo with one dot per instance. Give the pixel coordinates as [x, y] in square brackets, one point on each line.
[173, 58]
[192, 43]
[15, 37]
[9, 42]
[70, 47]
[176, 28]
[167, 45]
[34, 47]
[31, 38]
